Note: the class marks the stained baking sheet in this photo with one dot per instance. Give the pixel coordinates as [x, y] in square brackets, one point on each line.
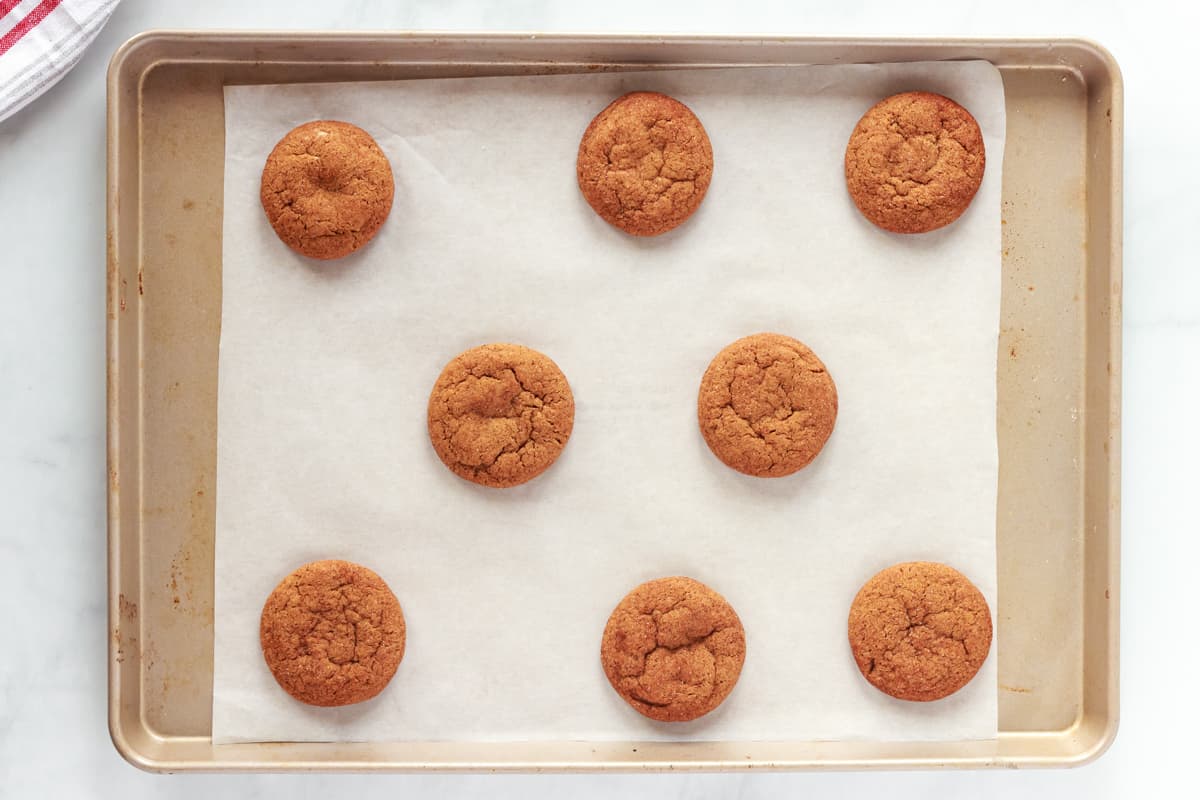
[326, 368]
[1058, 392]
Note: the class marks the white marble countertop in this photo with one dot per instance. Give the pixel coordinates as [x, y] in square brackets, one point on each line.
[53, 735]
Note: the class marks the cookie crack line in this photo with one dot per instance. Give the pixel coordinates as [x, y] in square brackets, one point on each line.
[941, 141]
[309, 221]
[641, 698]
[792, 413]
[540, 397]
[484, 469]
[908, 630]
[699, 641]
[347, 608]
[648, 184]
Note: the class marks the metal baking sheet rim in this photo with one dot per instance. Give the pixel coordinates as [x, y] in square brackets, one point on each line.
[315, 56]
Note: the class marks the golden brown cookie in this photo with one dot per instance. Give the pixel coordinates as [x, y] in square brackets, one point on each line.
[645, 163]
[767, 405]
[327, 188]
[673, 649]
[332, 633]
[914, 162]
[500, 414]
[919, 630]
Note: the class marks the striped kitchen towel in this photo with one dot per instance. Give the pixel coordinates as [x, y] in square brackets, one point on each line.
[40, 40]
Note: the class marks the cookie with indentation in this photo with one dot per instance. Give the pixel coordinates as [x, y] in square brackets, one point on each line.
[673, 649]
[327, 188]
[645, 163]
[332, 633]
[919, 630]
[500, 414]
[767, 405]
[914, 162]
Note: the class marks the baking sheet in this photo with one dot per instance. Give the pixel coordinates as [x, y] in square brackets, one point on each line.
[325, 370]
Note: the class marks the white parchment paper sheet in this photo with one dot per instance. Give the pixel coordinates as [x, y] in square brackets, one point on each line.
[326, 369]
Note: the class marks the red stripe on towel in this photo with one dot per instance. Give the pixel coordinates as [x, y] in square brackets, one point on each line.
[39, 13]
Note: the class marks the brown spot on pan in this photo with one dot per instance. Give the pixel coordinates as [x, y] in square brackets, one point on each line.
[128, 608]
[127, 611]
[111, 249]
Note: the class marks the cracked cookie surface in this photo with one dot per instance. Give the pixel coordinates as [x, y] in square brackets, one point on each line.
[914, 162]
[332, 633]
[327, 188]
[767, 405]
[500, 414]
[919, 630]
[673, 649]
[645, 163]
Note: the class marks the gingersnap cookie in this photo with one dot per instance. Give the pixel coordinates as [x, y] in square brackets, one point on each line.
[645, 163]
[327, 188]
[673, 649]
[919, 630]
[914, 162]
[500, 414]
[767, 405]
[332, 633]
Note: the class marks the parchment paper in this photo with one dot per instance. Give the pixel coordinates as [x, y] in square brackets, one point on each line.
[326, 368]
